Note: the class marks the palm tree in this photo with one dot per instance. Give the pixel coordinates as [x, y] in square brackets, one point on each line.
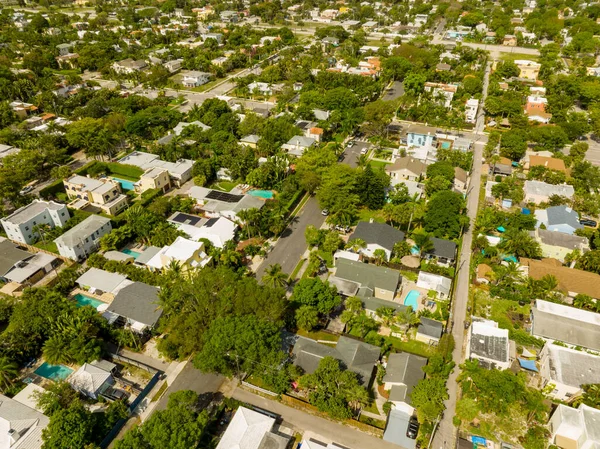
[423, 242]
[356, 244]
[56, 350]
[307, 317]
[380, 256]
[274, 276]
[583, 301]
[520, 244]
[8, 371]
[386, 314]
[353, 304]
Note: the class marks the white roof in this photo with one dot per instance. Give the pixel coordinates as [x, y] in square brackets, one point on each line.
[246, 430]
[571, 367]
[98, 279]
[217, 230]
[181, 250]
[543, 188]
[26, 397]
[568, 312]
[33, 209]
[488, 328]
[434, 282]
[346, 255]
[20, 418]
[89, 378]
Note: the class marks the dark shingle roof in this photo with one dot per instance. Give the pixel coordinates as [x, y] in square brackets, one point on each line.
[442, 248]
[430, 328]
[372, 303]
[407, 369]
[355, 355]
[139, 302]
[10, 255]
[368, 275]
[380, 233]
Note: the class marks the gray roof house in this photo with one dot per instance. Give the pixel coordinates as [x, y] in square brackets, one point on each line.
[23, 267]
[82, 240]
[443, 251]
[20, 426]
[91, 379]
[355, 355]
[377, 236]
[558, 218]
[429, 331]
[297, 145]
[567, 324]
[402, 373]
[137, 304]
[365, 279]
[489, 344]
[216, 203]
[538, 191]
[558, 244]
[98, 281]
[146, 256]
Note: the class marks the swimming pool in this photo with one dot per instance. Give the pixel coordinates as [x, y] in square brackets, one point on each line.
[53, 372]
[445, 145]
[411, 299]
[414, 251]
[131, 253]
[83, 300]
[125, 184]
[266, 194]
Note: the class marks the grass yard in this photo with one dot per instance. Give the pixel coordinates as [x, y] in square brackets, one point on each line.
[515, 56]
[294, 274]
[377, 165]
[380, 424]
[410, 275]
[224, 186]
[319, 335]
[412, 346]
[49, 246]
[327, 257]
[160, 392]
[372, 408]
[366, 215]
[207, 86]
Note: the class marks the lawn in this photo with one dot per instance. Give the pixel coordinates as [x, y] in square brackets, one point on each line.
[412, 346]
[224, 186]
[160, 392]
[376, 165]
[49, 246]
[319, 335]
[380, 424]
[327, 257]
[294, 274]
[366, 215]
[515, 56]
[410, 275]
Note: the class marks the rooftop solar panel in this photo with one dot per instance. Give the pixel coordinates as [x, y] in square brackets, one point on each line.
[224, 196]
[186, 219]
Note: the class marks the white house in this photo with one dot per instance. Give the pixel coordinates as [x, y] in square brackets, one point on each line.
[489, 344]
[471, 110]
[566, 370]
[188, 253]
[222, 204]
[297, 145]
[180, 171]
[194, 78]
[252, 430]
[20, 224]
[218, 230]
[20, 426]
[440, 284]
[82, 240]
[572, 428]
[128, 66]
[92, 380]
[540, 192]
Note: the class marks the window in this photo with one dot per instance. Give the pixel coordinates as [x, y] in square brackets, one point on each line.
[62, 214]
[29, 236]
[34, 223]
[87, 240]
[568, 395]
[27, 228]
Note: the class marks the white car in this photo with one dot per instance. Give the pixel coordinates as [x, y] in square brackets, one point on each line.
[364, 150]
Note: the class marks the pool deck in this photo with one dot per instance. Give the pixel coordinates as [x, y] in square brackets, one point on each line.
[105, 297]
[408, 286]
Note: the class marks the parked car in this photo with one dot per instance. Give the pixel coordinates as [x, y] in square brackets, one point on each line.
[364, 150]
[350, 143]
[588, 222]
[26, 190]
[413, 428]
[344, 229]
[325, 212]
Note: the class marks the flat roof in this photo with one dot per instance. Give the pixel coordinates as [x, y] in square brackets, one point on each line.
[32, 210]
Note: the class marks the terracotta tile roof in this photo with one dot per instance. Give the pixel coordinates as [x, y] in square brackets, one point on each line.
[569, 279]
[549, 162]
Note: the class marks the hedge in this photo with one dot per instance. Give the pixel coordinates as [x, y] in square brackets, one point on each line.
[123, 169]
[52, 189]
[149, 195]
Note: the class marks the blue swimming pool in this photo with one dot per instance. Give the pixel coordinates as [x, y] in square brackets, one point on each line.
[412, 299]
[53, 372]
[125, 184]
[131, 253]
[83, 300]
[266, 194]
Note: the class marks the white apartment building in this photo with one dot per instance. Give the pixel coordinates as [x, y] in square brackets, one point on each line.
[19, 226]
[82, 240]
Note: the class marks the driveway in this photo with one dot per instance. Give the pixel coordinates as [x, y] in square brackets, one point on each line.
[191, 379]
[302, 421]
[292, 244]
[353, 153]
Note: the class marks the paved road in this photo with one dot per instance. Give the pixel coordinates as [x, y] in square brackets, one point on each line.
[292, 244]
[192, 379]
[353, 154]
[340, 434]
[495, 50]
[446, 432]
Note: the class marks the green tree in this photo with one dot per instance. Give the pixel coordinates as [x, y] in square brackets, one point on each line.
[8, 371]
[316, 293]
[371, 186]
[380, 256]
[520, 244]
[72, 427]
[428, 398]
[274, 276]
[307, 317]
[58, 396]
[445, 215]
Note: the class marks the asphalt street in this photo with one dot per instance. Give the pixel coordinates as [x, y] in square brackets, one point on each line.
[192, 379]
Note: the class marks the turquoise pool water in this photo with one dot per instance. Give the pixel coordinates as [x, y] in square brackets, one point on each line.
[266, 194]
[83, 300]
[131, 253]
[53, 372]
[414, 251]
[411, 299]
[445, 145]
[126, 185]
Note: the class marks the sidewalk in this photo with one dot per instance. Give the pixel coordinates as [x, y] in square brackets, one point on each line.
[146, 407]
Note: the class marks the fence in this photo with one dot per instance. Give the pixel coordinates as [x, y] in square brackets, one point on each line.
[35, 249]
[259, 389]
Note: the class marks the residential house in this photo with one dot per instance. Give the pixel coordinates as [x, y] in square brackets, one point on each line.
[219, 62]
[355, 355]
[396, 429]
[500, 169]
[194, 78]
[434, 282]
[489, 344]
[484, 273]
[510, 40]
[429, 331]
[461, 180]
[180, 171]
[315, 133]
[259, 88]
[182, 125]
[297, 145]
[559, 322]
[218, 37]
[218, 231]
[22, 225]
[20, 426]
[403, 371]
[100, 194]
[250, 140]
[215, 203]
[360, 279]
[187, 253]
[471, 109]
[321, 115]
[550, 163]
[535, 109]
[420, 136]
[153, 178]
[99, 281]
[23, 110]
[93, 379]
[557, 245]
[83, 239]
[443, 252]
[371, 304]
[68, 61]
[406, 169]
[135, 306]
[174, 65]
[443, 92]
[571, 281]
[377, 236]
[567, 370]
[22, 267]
[528, 70]
[443, 67]
[559, 219]
[250, 429]
[540, 192]
[128, 66]
[572, 428]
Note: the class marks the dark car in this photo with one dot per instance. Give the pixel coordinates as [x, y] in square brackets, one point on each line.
[588, 222]
[413, 428]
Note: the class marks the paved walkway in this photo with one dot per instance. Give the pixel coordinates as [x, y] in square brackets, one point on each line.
[343, 435]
